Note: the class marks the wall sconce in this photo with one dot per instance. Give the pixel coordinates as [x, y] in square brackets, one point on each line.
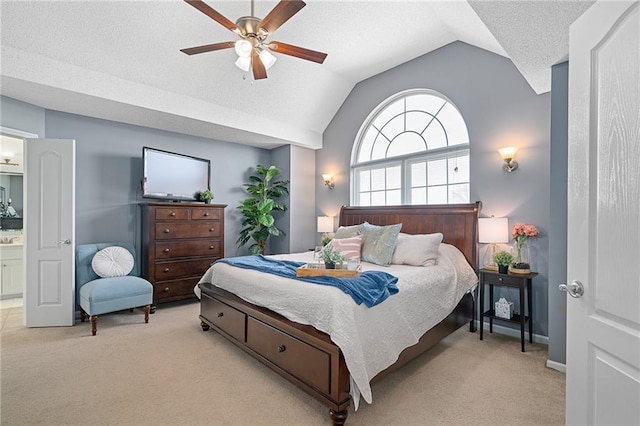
[328, 180]
[492, 231]
[508, 154]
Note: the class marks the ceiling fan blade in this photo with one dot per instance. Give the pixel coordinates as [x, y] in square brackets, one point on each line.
[280, 14]
[208, 48]
[259, 71]
[298, 52]
[213, 14]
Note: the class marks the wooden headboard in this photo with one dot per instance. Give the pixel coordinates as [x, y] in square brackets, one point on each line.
[457, 222]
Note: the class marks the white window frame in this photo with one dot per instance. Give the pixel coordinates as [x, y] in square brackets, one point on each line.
[404, 161]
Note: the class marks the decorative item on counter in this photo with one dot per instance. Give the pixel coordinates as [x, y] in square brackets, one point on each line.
[503, 259]
[504, 309]
[206, 196]
[521, 233]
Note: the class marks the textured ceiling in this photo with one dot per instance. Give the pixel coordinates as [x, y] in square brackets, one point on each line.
[121, 60]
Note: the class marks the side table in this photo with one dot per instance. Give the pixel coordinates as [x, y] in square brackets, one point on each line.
[520, 281]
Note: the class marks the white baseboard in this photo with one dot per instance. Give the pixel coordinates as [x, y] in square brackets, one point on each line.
[557, 366]
[514, 332]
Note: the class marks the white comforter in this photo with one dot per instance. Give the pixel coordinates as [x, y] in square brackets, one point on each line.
[371, 339]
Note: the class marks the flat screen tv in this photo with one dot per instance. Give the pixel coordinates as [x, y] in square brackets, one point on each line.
[172, 176]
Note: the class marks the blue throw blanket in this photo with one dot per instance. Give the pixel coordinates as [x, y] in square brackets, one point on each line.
[370, 288]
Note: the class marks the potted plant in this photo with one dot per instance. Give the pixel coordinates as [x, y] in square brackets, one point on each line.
[331, 256]
[205, 196]
[503, 259]
[258, 223]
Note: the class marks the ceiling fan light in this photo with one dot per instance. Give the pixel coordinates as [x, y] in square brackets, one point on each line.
[243, 48]
[267, 58]
[244, 63]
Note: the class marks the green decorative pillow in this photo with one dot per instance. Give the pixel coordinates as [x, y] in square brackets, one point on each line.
[379, 243]
[349, 231]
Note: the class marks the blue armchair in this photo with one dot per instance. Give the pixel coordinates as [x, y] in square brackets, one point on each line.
[97, 296]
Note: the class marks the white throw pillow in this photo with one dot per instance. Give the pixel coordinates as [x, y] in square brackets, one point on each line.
[114, 261]
[417, 250]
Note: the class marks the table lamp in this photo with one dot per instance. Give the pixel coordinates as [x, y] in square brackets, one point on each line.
[325, 225]
[492, 231]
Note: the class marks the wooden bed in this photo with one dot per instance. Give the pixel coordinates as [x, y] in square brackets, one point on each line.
[307, 357]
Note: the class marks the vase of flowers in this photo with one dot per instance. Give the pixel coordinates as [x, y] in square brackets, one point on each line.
[521, 233]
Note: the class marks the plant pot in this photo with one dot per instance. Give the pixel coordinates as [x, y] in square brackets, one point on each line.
[329, 265]
[503, 269]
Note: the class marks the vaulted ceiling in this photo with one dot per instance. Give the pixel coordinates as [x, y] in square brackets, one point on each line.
[121, 60]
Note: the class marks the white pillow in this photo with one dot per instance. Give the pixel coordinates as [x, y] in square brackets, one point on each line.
[114, 261]
[417, 250]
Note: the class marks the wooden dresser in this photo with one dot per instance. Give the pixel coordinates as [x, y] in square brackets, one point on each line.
[179, 243]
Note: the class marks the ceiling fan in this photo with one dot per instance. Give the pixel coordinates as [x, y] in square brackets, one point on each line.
[252, 48]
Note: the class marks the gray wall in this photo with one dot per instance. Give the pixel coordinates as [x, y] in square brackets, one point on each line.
[19, 115]
[281, 158]
[109, 172]
[500, 109]
[558, 212]
[299, 166]
[304, 177]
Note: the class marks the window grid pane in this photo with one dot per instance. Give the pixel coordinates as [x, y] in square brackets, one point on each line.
[411, 126]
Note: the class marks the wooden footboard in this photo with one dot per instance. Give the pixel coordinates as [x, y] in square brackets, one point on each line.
[300, 353]
[307, 357]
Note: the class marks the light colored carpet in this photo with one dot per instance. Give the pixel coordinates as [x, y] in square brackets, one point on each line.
[170, 372]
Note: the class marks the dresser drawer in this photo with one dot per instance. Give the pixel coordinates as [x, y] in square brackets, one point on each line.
[205, 214]
[172, 214]
[306, 362]
[167, 291]
[503, 280]
[230, 320]
[178, 269]
[168, 231]
[170, 250]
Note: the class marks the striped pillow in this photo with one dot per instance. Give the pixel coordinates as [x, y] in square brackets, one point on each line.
[349, 247]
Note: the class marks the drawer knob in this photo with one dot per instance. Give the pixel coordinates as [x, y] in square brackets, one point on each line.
[166, 231]
[166, 250]
[282, 348]
[220, 314]
[499, 279]
[173, 214]
[211, 229]
[210, 247]
[166, 269]
[206, 214]
[166, 289]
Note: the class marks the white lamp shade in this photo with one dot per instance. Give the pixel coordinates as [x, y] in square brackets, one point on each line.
[325, 224]
[267, 58]
[244, 63]
[493, 230]
[243, 48]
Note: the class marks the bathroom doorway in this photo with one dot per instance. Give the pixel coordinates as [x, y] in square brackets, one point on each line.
[12, 212]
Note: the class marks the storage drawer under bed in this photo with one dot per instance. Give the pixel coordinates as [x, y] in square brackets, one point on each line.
[223, 316]
[308, 363]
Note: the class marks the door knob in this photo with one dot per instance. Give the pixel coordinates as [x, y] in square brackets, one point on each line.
[575, 288]
[64, 242]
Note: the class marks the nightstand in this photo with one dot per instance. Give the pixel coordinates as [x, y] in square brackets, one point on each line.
[520, 281]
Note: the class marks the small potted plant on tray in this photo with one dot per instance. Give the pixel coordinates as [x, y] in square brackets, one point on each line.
[503, 259]
[331, 257]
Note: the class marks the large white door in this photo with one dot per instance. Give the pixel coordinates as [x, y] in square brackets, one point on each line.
[603, 325]
[49, 181]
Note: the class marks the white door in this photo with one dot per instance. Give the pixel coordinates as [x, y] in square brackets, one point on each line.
[49, 182]
[603, 326]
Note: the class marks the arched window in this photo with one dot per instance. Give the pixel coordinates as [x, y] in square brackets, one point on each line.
[412, 149]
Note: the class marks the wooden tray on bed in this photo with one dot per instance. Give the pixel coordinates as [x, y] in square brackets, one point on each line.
[316, 269]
